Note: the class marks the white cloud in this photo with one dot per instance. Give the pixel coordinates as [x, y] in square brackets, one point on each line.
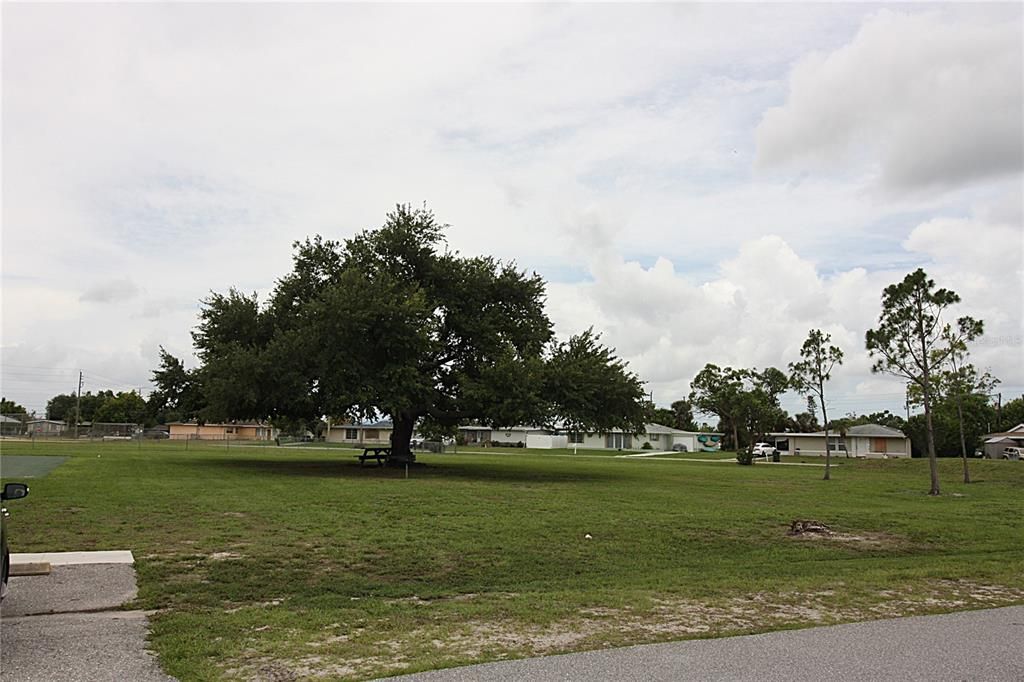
[766, 297]
[931, 99]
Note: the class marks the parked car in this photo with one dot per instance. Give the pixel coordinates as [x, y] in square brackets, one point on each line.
[764, 450]
[1013, 453]
[680, 447]
[11, 491]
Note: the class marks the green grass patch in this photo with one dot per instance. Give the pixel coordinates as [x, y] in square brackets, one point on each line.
[278, 562]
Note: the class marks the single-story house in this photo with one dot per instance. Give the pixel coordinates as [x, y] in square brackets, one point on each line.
[865, 440]
[239, 431]
[995, 442]
[660, 437]
[45, 427]
[11, 426]
[377, 433]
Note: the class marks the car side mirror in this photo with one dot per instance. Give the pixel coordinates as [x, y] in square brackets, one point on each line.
[14, 491]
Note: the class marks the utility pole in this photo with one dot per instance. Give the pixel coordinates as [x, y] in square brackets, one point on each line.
[999, 409]
[78, 404]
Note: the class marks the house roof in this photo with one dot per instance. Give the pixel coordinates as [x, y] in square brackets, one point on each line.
[4, 419]
[45, 421]
[1016, 432]
[864, 430]
[876, 430]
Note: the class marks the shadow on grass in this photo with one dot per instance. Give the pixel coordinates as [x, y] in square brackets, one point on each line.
[321, 468]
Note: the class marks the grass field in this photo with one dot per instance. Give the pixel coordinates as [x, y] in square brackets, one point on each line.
[283, 563]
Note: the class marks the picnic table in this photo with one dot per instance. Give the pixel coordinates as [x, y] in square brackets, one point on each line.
[380, 454]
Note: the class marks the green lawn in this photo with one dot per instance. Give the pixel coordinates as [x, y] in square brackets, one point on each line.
[283, 563]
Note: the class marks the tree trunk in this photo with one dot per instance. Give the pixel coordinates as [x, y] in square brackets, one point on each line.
[401, 434]
[933, 462]
[963, 440]
[828, 450]
[735, 436]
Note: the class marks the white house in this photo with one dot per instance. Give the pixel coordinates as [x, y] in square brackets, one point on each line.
[865, 440]
[658, 436]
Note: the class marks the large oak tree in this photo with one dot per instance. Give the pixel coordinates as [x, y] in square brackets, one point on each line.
[390, 322]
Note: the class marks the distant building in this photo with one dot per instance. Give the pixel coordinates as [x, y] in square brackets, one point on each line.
[996, 442]
[45, 427]
[658, 436]
[240, 431]
[11, 426]
[865, 440]
[377, 433]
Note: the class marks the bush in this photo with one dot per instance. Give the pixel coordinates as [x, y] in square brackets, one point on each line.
[646, 446]
[745, 457]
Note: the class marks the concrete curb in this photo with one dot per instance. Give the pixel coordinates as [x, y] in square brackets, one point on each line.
[121, 556]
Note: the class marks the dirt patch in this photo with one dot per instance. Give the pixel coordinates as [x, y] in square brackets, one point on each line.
[256, 605]
[224, 556]
[265, 669]
[809, 529]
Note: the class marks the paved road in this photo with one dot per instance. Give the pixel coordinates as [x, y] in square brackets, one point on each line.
[66, 626]
[973, 645]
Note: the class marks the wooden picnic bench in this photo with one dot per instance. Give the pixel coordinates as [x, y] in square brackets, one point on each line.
[379, 454]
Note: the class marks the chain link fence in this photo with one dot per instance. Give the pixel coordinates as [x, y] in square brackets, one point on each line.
[30, 426]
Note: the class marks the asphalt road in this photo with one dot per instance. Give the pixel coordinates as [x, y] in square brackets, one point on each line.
[972, 645]
[66, 626]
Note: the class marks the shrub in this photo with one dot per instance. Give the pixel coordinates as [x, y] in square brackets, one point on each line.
[745, 457]
[646, 446]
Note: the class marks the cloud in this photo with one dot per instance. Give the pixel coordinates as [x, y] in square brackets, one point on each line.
[930, 100]
[765, 297]
[110, 291]
[181, 149]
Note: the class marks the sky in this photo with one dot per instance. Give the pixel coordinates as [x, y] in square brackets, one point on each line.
[700, 183]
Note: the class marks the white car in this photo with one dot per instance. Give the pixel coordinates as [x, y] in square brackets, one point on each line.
[764, 450]
[1013, 453]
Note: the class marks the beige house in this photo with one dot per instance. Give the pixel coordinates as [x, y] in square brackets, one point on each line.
[866, 440]
[195, 431]
[378, 433]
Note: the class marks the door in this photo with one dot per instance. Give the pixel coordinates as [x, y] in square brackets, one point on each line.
[878, 445]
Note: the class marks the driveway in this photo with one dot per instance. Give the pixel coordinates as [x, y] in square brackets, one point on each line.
[971, 645]
[67, 625]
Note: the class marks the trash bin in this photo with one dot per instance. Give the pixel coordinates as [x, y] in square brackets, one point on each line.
[776, 457]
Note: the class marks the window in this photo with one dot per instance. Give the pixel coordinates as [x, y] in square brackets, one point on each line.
[351, 434]
[372, 434]
[836, 444]
[655, 437]
[575, 437]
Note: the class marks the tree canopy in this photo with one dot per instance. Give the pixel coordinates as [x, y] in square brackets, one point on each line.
[10, 407]
[911, 342]
[810, 374]
[390, 323]
[743, 399]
